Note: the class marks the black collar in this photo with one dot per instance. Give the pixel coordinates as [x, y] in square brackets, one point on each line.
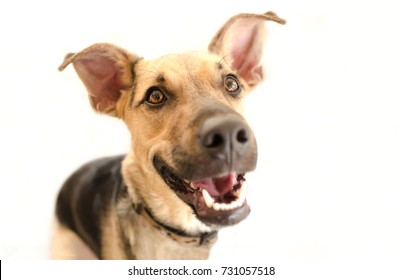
[205, 238]
[202, 239]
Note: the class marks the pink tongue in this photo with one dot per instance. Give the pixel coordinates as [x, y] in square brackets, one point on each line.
[217, 186]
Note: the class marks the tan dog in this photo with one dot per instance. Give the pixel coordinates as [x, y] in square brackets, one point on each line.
[183, 178]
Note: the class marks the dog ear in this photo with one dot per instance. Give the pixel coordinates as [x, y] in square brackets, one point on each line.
[105, 70]
[241, 40]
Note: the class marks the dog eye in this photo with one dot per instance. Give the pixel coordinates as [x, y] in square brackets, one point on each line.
[231, 84]
[155, 96]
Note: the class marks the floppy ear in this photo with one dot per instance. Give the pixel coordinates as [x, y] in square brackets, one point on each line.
[105, 70]
[241, 40]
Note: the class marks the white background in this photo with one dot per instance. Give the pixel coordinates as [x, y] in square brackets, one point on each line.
[328, 119]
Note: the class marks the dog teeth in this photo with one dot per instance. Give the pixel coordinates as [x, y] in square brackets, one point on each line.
[209, 201]
[241, 196]
[194, 187]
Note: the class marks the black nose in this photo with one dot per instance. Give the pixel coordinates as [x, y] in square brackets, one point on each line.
[225, 137]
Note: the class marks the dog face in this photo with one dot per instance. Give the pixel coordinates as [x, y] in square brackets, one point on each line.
[191, 147]
[185, 119]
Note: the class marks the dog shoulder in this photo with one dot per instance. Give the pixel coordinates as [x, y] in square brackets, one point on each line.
[86, 196]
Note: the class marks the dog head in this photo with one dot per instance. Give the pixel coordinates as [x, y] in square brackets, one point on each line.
[191, 147]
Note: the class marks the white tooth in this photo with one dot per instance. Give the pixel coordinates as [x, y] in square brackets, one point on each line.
[235, 204]
[209, 201]
[193, 186]
[223, 206]
[217, 206]
[242, 194]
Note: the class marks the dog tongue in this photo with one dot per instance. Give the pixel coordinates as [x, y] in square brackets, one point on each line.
[217, 186]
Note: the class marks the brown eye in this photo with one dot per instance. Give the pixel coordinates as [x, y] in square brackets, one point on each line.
[231, 85]
[155, 97]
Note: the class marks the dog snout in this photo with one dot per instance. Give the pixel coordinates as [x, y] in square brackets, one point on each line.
[225, 137]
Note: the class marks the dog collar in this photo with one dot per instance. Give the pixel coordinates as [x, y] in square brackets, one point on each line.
[203, 239]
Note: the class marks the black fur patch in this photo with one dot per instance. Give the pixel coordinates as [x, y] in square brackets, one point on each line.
[85, 197]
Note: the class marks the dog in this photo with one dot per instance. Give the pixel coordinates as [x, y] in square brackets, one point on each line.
[183, 178]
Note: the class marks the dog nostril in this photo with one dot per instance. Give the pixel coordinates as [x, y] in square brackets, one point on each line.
[242, 136]
[214, 140]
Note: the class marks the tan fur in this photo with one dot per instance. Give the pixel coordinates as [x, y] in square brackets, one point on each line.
[66, 245]
[148, 242]
[159, 137]
[196, 79]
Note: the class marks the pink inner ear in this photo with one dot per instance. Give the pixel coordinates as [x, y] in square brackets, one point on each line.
[102, 78]
[246, 53]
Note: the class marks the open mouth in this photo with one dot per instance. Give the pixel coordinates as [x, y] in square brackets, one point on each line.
[217, 200]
